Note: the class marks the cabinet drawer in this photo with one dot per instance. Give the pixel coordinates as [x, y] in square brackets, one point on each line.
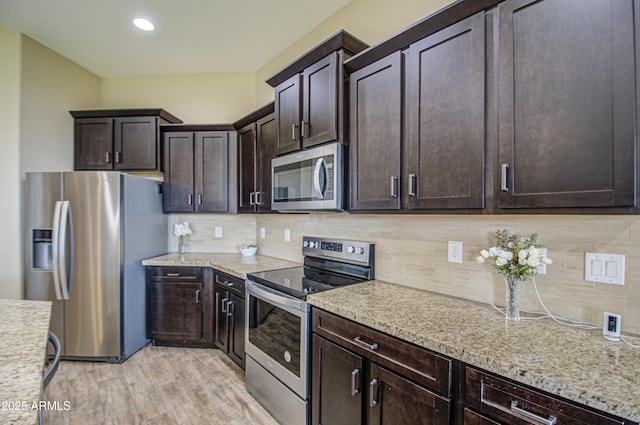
[187, 274]
[234, 284]
[424, 367]
[516, 404]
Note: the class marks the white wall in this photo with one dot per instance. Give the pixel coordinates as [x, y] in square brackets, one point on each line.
[10, 248]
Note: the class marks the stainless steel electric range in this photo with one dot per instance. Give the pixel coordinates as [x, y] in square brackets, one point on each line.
[278, 321]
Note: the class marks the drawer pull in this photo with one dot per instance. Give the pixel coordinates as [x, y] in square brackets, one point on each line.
[173, 274]
[198, 296]
[373, 392]
[224, 305]
[354, 382]
[358, 340]
[515, 409]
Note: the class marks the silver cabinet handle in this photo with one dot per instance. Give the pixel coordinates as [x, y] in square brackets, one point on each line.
[373, 392]
[118, 157]
[231, 308]
[252, 197]
[198, 296]
[304, 127]
[199, 199]
[224, 305]
[358, 340]
[258, 198]
[294, 133]
[107, 157]
[354, 382]
[545, 421]
[505, 177]
[173, 274]
[394, 187]
[190, 199]
[412, 184]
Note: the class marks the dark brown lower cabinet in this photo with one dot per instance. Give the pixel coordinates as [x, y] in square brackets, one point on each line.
[179, 306]
[362, 376]
[498, 400]
[229, 316]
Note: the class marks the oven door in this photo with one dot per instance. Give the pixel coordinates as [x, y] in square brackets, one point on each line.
[277, 335]
[312, 179]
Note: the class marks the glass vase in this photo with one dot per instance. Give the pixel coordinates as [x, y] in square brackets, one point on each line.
[181, 244]
[512, 302]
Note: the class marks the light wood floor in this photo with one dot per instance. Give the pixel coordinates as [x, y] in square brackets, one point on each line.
[157, 385]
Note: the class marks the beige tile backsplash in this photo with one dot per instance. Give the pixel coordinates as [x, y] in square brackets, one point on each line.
[411, 250]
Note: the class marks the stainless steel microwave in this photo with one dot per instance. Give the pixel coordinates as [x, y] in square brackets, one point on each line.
[309, 180]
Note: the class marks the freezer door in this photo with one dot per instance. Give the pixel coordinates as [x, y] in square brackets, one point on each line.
[92, 313]
[42, 191]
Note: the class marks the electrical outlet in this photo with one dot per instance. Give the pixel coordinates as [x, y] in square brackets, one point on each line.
[287, 235]
[218, 232]
[263, 233]
[542, 268]
[455, 252]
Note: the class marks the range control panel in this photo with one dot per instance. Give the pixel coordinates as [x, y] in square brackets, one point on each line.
[339, 249]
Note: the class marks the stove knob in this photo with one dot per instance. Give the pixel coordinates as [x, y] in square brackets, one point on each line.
[305, 244]
[351, 249]
[360, 250]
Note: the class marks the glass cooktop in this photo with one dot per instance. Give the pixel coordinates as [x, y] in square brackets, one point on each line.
[301, 281]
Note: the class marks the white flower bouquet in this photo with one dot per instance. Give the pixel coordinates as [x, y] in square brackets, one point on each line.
[514, 255]
[181, 230]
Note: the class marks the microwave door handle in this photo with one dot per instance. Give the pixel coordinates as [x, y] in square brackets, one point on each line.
[316, 177]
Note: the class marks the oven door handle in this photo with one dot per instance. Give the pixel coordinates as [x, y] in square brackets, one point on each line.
[276, 298]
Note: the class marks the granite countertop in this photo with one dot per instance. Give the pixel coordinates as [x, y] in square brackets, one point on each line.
[234, 264]
[24, 328]
[576, 364]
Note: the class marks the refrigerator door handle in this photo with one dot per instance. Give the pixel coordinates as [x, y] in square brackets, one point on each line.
[65, 275]
[55, 249]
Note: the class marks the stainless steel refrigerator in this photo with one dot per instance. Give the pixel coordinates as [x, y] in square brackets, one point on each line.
[86, 234]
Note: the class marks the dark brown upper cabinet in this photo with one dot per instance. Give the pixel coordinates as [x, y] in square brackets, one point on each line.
[417, 124]
[200, 170]
[375, 115]
[309, 95]
[256, 148]
[445, 98]
[567, 104]
[125, 140]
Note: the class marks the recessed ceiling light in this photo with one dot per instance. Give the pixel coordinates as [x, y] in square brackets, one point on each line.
[144, 24]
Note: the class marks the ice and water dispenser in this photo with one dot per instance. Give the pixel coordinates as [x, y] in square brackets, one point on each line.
[41, 249]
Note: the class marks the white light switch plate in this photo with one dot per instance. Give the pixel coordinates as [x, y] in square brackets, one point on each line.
[604, 268]
[287, 235]
[262, 233]
[218, 232]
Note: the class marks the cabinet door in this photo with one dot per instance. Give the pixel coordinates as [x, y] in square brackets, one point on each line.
[175, 312]
[136, 143]
[247, 168]
[178, 172]
[235, 312]
[446, 119]
[212, 171]
[266, 147]
[376, 134]
[320, 102]
[287, 109]
[567, 102]
[472, 418]
[221, 334]
[393, 399]
[337, 377]
[93, 144]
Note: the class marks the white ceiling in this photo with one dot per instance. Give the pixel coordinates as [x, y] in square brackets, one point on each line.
[191, 36]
